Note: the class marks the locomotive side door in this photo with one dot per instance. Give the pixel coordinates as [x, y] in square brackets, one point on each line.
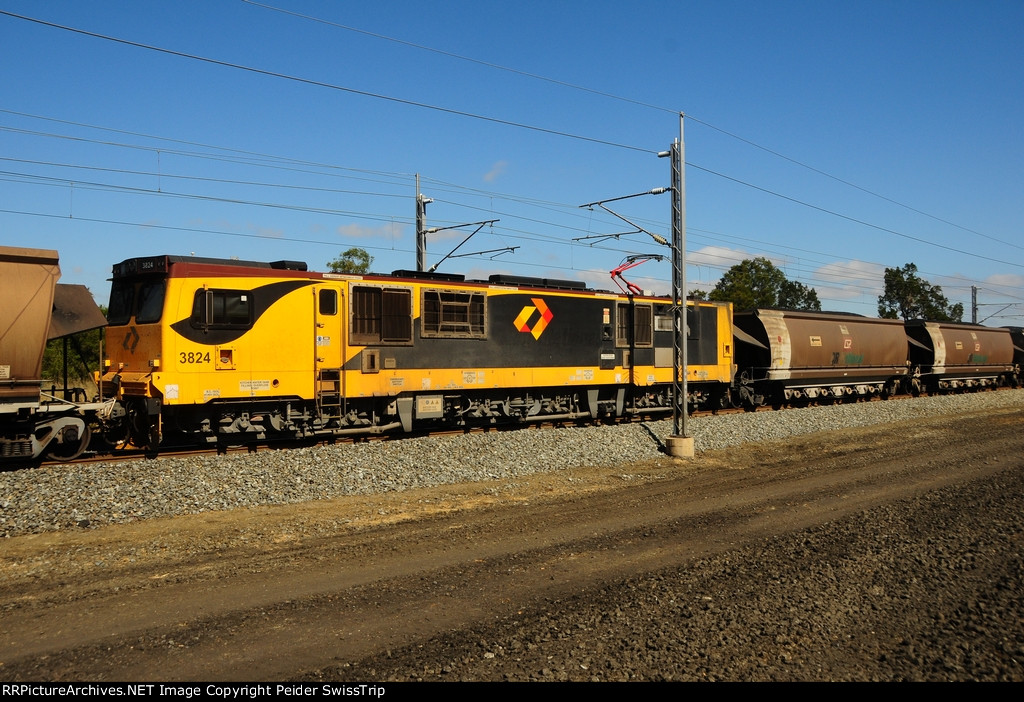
[328, 350]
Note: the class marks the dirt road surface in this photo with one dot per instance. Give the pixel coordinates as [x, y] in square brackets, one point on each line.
[882, 553]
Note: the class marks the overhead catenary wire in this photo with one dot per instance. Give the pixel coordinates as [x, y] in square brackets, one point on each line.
[640, 103]
[462, 113]
[709, 171]
[692, 165]
[523, 235]
[330, 86]
[565, 209]
[481, 117]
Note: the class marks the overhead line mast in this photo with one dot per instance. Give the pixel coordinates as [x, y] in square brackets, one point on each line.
[680, 444]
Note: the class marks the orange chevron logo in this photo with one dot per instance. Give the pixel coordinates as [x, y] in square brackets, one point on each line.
[523, 320]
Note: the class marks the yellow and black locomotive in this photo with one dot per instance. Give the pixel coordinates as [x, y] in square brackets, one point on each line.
[222, 351]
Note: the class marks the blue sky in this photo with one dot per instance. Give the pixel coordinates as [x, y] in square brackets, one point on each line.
[834, 138]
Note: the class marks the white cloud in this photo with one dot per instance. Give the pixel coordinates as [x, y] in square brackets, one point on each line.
[1011, 280]
[718, 257]
[497, 170]
[859, 272]
[360, 231]
[266, 232]
[848, 280]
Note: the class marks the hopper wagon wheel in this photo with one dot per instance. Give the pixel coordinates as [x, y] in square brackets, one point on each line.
[70, 442]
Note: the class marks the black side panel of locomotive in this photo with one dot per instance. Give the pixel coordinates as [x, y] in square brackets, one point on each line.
[556, 331]
[575, 334]
[701, 341]
[540, 330]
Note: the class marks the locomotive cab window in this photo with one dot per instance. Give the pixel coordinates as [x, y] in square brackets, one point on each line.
[694, 321]
[222, 309]
[634, 325]
[150, 302]
[450, 314]
[328, 302]
[122, 294]
[381, 316]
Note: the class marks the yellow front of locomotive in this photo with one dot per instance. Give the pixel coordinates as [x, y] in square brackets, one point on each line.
[134, 347]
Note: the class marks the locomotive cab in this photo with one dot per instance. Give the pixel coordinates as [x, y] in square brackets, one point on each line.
[181, 338]
[133, 347]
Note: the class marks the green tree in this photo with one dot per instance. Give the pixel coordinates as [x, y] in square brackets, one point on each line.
[355, 260]
[83, 356]
[908, 296]
[756, 282]
[83, 352]
[794, 295]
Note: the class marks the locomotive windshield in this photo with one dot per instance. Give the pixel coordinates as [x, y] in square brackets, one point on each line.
[119, 311]
[144, 300]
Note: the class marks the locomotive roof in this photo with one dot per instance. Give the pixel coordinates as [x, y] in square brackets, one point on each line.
[147, 265]
[162, 264]
[155, 265]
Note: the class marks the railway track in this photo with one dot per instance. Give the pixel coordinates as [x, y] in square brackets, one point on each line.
[133, 454]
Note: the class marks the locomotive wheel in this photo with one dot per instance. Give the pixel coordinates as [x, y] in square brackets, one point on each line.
[153, 443]
[143, 433]
[116, 436]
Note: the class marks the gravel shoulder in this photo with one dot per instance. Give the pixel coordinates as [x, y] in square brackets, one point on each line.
[70, 498]
[886, 548]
